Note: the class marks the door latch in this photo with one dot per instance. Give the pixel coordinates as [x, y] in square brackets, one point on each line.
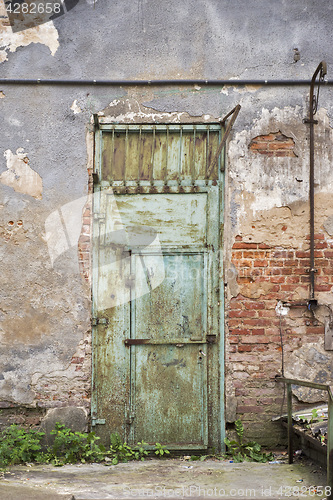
[211, 339]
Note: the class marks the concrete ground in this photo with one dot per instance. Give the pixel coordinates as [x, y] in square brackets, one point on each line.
[159, 479]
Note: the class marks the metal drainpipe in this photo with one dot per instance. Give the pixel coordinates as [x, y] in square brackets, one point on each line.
[120, 83]
[321, 69]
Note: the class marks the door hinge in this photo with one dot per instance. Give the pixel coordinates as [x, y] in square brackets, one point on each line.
[99, 321]
[130, 281]
[97, 421]
[129, 420]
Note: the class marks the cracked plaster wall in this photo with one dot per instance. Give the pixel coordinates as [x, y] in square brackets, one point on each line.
[45, 34]
[20, 176]
[267, 198]
[45, 310]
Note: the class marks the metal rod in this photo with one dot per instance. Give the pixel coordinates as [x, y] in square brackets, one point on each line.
[311, 200]
[290, 424]
[236, 108]
[330, 447]
[328, 389]
[304, 383]
[295, 304]
[120, 83]
[234, 114]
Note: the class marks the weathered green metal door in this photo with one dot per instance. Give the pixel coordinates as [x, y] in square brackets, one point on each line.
[156, 339]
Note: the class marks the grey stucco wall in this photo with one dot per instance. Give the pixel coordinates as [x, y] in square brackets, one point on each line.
[218, 39]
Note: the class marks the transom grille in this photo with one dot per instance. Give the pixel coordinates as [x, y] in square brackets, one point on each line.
[158, 154]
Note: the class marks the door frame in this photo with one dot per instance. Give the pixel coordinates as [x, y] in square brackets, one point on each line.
[219, 428]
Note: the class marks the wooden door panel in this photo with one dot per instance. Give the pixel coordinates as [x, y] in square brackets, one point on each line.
[177, 308]
[168, 375]
[170, 395]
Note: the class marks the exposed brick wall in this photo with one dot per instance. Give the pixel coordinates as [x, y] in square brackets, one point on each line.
[27, 417]
[273, 144]
[74, 387]
[253, 343]
[61, 391]
[84, 246]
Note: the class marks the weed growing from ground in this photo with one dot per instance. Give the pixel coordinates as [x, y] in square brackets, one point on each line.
[161, 450]
[315, 417]
[240, 451]
[69, 446]
[19, 445]
[122, 452]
